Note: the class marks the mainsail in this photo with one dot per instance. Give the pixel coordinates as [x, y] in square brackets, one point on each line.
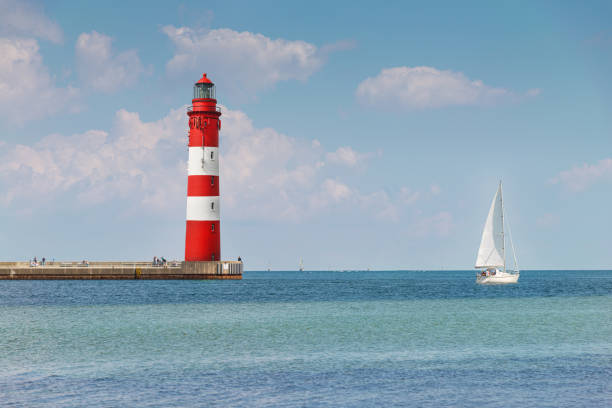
[491, 251]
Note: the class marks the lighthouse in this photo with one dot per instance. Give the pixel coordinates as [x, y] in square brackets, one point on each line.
[203, 235]
[202, 241]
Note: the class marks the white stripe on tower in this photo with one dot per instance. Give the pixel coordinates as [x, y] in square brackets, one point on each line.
[203, 208]
[203, 161]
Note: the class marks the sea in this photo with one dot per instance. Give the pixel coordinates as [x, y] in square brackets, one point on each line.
[310, 339]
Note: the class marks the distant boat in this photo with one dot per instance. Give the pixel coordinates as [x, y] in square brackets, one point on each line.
[491, 259]
[301, 265]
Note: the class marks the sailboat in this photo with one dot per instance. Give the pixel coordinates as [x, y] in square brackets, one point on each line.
[301, 265]
[491, 259]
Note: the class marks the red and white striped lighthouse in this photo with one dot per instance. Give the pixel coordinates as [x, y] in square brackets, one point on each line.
[202, 242]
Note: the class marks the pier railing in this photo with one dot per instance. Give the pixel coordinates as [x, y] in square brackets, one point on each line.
[95, 264]
[122, 270]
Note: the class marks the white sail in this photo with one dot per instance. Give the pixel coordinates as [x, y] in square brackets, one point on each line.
[491, 251]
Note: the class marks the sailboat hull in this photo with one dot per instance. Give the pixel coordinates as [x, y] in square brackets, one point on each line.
[498, 279]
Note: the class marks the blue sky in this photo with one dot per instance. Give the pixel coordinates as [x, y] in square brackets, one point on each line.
[353, 135]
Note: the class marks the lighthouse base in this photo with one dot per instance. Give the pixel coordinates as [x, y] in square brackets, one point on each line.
[213, 269]
[121, 270]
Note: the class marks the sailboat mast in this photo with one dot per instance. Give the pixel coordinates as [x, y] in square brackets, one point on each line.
[516, 267]
[501, 199]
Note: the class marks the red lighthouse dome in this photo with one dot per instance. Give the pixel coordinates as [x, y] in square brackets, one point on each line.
[204, 80]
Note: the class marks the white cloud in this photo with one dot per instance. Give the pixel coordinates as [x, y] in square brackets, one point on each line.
[330, 192]
[269, 175]
[408, 196]
[533, 92]
[335, 190]
[265, 175]
[425, 87]
[99, 68]
[97, 166]
[27, 91]
[243, 62]
[579, 178]
[20, 17]
[346, 156]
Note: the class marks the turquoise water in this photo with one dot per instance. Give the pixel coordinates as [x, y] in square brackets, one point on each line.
[309, 339]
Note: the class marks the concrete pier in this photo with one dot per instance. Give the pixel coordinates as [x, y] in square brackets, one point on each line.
[122, 270]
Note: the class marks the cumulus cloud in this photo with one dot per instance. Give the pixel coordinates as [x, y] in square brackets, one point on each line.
[408, 196]
[427, 87]
[20, 17]
[533, 92]
[24, 79]
[579, 178]
[330, 192]
[265, 174]
[96, 166]
[269, 175]
[100, 68]
[243, 62]
[346, 156]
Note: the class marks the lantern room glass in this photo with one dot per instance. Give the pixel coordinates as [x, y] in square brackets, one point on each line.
[204, 91]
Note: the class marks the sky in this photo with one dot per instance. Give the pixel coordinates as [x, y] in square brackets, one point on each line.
[354, 135]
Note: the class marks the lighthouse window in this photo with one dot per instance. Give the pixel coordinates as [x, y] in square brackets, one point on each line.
[212, 227]
[212, 155]
[212, 206]
[212, 180]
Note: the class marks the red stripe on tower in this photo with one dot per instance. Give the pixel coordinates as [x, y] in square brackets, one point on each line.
[202, 239]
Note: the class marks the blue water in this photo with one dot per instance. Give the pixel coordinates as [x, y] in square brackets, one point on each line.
[324, 339]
